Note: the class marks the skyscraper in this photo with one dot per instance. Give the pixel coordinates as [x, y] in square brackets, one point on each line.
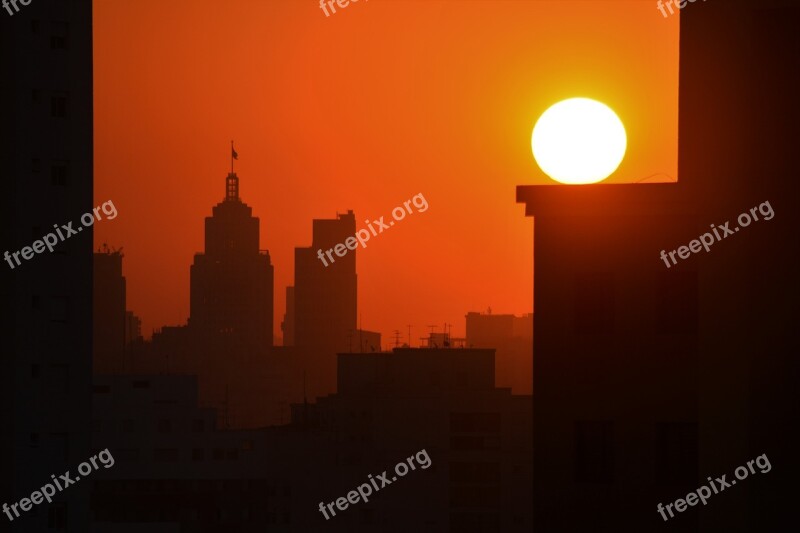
[232, 282]
[325, 299]
[46, 303]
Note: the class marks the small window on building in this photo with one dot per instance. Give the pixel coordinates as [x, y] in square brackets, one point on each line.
[59, 174]
[59, 309]
[59, 35]
[57, 516]
[594, 451]
[34, 26]
[58, 105]
[60, 445]
[164, 426]
[198, 454]
[165, 455]
[198, 425]
[36, 165]
[58, 379]
[676, 453]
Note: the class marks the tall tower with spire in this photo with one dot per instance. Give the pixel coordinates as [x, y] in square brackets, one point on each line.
[232, 281]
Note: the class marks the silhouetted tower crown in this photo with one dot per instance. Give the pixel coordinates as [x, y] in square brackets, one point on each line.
[232, 230]
[232, 188]
[232, 281]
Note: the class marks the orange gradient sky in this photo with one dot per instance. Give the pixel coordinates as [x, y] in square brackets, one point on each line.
[361, 110]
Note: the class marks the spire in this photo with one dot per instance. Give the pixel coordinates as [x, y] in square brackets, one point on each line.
[232, 181]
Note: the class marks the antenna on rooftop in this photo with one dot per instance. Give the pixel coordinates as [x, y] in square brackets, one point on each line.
[396, 338]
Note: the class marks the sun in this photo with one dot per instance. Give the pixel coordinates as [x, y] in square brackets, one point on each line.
[579, 141]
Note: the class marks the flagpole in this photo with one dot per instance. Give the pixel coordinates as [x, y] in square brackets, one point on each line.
[231, 157]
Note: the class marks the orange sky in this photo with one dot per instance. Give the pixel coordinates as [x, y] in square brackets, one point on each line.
[361, 110]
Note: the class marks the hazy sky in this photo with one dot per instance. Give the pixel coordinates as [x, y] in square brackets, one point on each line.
[361, 110]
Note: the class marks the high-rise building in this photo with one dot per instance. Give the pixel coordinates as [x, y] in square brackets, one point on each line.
[109, 313]
[46, 157]
[325, 300]
[649, 377]
[232, 281]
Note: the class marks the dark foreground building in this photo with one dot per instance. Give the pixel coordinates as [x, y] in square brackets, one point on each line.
[46, 302]
[650, 379]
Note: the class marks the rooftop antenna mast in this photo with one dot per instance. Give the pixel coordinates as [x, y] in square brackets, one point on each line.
[409, 335]
[396, 338]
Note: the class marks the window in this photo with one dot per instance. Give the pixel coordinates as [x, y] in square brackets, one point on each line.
[34, 371]
[676, 453]
[198, 425]
[198, 454]
[57, 516]
[34, 442]
[58, 105]
[36, 165]
[141, 384]
[59, 174]
[101, 389]
[35, 95]
[60, 445]
[475, 422]
[165, 455]
[58, 378]
[34, 26]
[59, 35]
[127, 455]
[59, 309]
[164, 426]
[594, 451]
[474, 472]
[676, 300]
[594, 303]
[35, 302]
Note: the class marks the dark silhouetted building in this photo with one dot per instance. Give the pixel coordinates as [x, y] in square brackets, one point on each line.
[389, 406]
[650, 379]
[46, 157]
[232, 281]
[512, 338]
[325, 300]
[110, 317]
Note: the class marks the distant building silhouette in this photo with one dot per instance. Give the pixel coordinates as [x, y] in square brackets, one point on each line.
[133, 328]
[232, 281]
[512, 337]
[110, 318]
[287, 326]
[389, 405]
[325, 301]
[178, 468]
